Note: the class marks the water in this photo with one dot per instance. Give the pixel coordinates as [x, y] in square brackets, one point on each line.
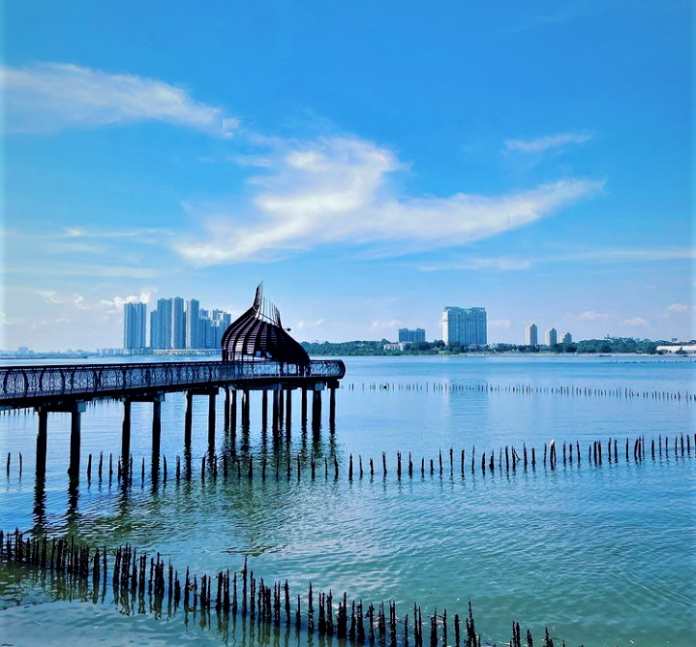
[600, 555]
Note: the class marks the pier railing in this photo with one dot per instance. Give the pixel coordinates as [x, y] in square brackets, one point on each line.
[89, 380]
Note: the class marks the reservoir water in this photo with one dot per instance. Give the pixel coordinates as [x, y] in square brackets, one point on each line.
[601, 555]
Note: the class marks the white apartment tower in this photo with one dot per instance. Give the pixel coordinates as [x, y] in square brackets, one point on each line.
[551, 337]
[532, 338]
[466, 326]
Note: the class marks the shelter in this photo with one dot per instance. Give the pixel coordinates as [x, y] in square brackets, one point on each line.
[258, 335]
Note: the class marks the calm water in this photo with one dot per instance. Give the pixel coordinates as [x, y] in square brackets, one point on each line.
[602, 555]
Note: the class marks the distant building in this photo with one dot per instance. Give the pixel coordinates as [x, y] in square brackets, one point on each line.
[532, 338]
[405, 334]
[467, 326]
[178, 323]
[551, 337]
[193, 324]
[134, 326]
[391, 347]
[567, 338]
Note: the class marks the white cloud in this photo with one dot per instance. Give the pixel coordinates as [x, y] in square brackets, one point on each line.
[544, 143]
[500, 323]
[260, 161]
[119, 302]
[304, 325]
[386, 325]
[678, 307]
[81, 303]
[50, 97]
[342, 189]
[636, 321]
[499, 264]
[591, 315]
[4, 321]
[51, 296]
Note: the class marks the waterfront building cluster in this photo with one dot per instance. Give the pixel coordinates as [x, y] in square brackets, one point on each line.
[407, 335]
[174, 325]
[531, 336]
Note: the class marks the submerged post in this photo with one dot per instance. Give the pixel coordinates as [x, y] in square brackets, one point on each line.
[74, 470]
[288, 409]
[156, 425]
[227, 407]
[274, 413]
[189, 419]
[332, 405]
[316, 409]
[304, 406]
[264, 408]
[211, 420]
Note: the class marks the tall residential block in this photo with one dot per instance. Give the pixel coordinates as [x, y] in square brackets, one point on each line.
[193, 324]
[405, 334]
[464, 325]
[134, 326]
[532, 338]
[567, 338]
[551, 337]
[178, 323]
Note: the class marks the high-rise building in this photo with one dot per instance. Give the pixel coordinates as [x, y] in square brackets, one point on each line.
[193, 324]
[532, 338]
[178, 323]
[464, 325]
[567, 338]
[134, 326]
[551, 337]
[411, 335]
[154, 341]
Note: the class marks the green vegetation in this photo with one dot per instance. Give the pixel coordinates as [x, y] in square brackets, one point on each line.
[588, 346]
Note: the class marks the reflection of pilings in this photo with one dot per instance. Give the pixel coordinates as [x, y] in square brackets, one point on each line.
[41, 444]
[39, 498]
[281, 407]
[245, 407]
[189, 419]
[211, 421]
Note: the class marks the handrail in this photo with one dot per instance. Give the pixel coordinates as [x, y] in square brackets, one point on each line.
[87, 380]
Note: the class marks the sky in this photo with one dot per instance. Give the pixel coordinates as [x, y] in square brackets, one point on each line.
[371, 162]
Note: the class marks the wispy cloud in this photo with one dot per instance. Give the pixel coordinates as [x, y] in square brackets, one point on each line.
[343, 189]
[637, 322]
[678, 308]
[591, 315]
[260, 161]
[50, 97]
[500, 323]
[496, 264]
[542, 144]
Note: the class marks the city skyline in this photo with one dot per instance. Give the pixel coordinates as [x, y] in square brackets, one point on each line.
[545, 184]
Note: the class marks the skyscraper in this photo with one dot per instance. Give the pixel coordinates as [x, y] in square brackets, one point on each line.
[411, 335]
[532, 337]
[164, 324]
[193, 324]
[567, 338]
[551, 337]
[464, 325]
[178, 323]
[134, 326]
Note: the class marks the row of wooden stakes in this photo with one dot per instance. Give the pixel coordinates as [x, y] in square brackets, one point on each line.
[448, 387]
[507, 458]
[228, 595]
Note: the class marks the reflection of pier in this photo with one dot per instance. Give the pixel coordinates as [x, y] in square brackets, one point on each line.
[258, 354]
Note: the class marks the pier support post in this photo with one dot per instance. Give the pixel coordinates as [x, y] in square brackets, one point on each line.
[304, 406]
[332, 405]
[42, 444]
[227, 407]
[74, 470]
[274, 413]
[233, 413]
[281, 407]
[189, 419]
[211, 423]
[245, 407]
[156, 426]
[264, 409]
[126, 436]
[288, 410]
[316, 410]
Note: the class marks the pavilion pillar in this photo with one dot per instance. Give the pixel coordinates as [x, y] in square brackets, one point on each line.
[245, 407]
[227, 407]
[126, 437]
[316, 409]
[288, 410]
[281, 407]
[275, 411]
[42, 444]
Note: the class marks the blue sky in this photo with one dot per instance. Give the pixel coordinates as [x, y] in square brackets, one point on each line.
[371, 162]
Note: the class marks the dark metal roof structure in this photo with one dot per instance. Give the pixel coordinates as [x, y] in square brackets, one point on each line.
[259, 335]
